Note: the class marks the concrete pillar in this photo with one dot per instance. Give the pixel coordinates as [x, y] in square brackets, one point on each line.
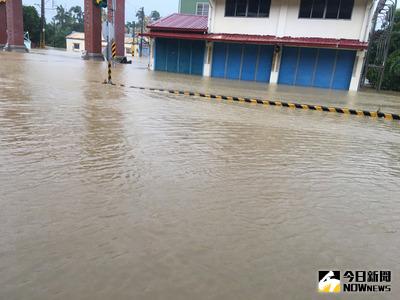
[152, 54]
[282, 19]
[120, 27]
[357, 69]
[15, 26]
[208, 59]
[117, 15]
[3, 25]
[276, 62]
[92, 31]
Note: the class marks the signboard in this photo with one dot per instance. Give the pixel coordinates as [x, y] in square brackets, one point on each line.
[107, 30]
[108, 34]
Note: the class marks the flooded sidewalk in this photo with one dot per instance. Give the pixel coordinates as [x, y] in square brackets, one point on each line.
[367, 99]
[117, 193]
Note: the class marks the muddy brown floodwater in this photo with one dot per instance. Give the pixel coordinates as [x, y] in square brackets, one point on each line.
[111, 193]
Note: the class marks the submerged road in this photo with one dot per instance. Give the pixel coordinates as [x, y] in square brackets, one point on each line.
[113, 193]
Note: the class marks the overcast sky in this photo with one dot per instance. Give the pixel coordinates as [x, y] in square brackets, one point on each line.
[165, 7]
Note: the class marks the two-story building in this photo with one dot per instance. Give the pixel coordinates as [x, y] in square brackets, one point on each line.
[315, 43]
[194, 7]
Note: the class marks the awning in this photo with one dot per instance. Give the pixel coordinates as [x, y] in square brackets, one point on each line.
[264, 39]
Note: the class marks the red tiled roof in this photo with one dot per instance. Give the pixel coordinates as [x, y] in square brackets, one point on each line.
[265, 39]
[181, 22]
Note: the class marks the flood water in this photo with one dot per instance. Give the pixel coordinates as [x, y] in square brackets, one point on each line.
[113, 193]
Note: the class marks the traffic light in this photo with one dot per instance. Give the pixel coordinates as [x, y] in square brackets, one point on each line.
[101, 3]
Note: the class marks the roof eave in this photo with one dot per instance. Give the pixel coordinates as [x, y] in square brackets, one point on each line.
[286, 41]
[174, 29]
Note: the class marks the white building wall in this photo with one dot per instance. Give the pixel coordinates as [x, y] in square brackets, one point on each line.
[283, 21]
[152, 59]
[260, 26]
[357, 69]
[276, 61]
[70, 45]
[325, 28]
[208, 59]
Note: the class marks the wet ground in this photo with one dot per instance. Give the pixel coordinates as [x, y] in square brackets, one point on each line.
[111, 193]
[139, 75]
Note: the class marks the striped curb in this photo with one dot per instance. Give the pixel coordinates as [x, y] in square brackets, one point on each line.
[348, 111]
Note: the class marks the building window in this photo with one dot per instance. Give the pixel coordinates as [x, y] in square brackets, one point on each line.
[247, 8]
[326, 9]
[202, 8]
[77, 46]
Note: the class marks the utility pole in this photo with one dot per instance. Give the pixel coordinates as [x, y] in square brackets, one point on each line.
[141, 33]
[133, 38]
[42, 43]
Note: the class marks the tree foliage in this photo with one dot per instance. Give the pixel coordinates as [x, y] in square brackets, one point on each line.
[140, 15]
[142, 19]
[64, 22]
[391, 76]
[32, 23]
[154, 15]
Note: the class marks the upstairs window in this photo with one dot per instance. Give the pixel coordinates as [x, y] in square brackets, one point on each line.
[247, 8]
[326, 9]
[202, 8]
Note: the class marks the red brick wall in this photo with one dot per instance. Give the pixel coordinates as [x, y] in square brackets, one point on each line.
[15, 26]
[119, 24]
[3, 24]
[92, 28]
[120, 27]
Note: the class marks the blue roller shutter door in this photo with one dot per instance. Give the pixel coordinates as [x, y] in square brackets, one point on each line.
[233, 61]
[244, 62]
[197, 63]
[172, 56]
[249, 66]
[326, 68]
[344, 69]
[306, 66]
[264, 65]
[184, 56]
[287, 71]
[219, 60]
[179, 56]
[161, 55]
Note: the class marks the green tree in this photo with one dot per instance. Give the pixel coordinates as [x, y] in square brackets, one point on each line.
[395, 37]
[141, 18]
[154, 15]
[32, 23]
[129, 26]
[391, 77]
[77, 18]
[63, 23]
[62, 17]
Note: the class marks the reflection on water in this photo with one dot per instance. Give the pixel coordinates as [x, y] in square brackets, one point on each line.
[112, 193]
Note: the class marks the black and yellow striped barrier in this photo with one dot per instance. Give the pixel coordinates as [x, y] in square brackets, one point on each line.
[348, 111]
[109, 72]
[113, 50]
